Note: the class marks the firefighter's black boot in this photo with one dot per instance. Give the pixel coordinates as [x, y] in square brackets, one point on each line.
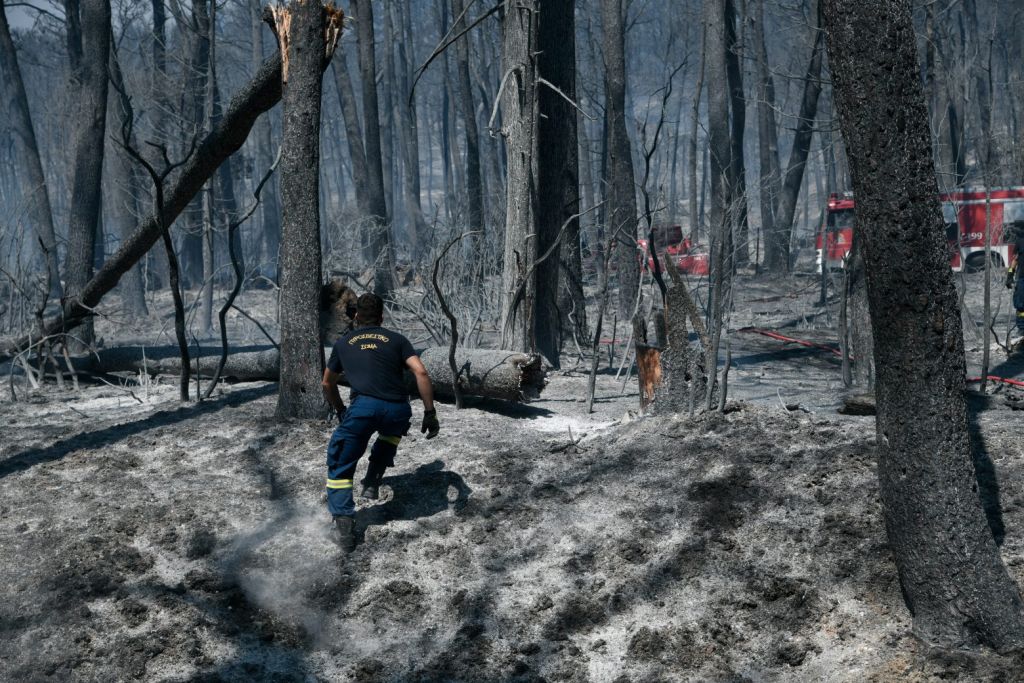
[346, 533]
[371, 482]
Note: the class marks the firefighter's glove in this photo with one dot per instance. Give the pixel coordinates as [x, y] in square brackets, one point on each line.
[1009, 278]
[430, 424]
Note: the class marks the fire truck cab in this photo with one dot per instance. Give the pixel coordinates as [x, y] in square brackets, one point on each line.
[689, 258]
[969, 214]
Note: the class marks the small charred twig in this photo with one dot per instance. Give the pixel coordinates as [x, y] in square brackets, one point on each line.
[453, 342]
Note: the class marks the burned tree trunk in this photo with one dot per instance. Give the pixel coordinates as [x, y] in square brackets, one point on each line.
[353, 133]
[621, 211]
[89, 77]
[39, 210]
[519, 127]
[558, 169]
[777, 243]
[380, 230]
[954, 582]
[300, 29]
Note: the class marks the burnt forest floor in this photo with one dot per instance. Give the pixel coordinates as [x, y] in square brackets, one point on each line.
[145, 540]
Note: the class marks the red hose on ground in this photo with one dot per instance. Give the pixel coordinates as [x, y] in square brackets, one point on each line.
[997, 378]
[801, 342]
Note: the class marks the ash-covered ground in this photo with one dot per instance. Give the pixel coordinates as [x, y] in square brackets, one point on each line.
[145, 540]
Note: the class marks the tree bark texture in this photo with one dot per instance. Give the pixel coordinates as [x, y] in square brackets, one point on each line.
[777, 242]
[954, 582]
[353, 132]
[695, 210]
[558, 172]
[380, 230]
[620, 182]
[767, 129]
[89, 91]
[519, 128]
[300, 30]
[737, 167]
[38, 208]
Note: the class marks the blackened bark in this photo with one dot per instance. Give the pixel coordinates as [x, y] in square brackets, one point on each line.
[620, 182]
[380, 231]
[737, 167]
[695, 209]
[558, 170]
[777, 242]
[720, 163]
[474, 183]
[519, 128]
[767, 129]
[301, 39]
[89, 90]
[38, 208]
[953, 579]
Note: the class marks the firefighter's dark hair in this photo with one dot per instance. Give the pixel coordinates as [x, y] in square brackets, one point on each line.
[369, 309]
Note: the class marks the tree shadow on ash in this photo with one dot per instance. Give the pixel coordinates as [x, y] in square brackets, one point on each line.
[114, 433]
[507, 408]
[984, 469]
[418, 494]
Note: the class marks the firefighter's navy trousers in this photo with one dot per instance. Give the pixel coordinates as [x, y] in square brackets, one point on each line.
[365, 416]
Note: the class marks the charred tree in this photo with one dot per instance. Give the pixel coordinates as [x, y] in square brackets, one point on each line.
[720, 150]
[90, 52]
[467, 106]
[270, 207]
[620, 183]
[380, 230]
[737, 167]
[954, 582]
[519, 128]
[300, 27]
[40, 213]
[767, 128]
[353, 132]
[777, 242]
[558, 174]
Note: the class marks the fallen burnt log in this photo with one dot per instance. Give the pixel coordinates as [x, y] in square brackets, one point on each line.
[504, 375]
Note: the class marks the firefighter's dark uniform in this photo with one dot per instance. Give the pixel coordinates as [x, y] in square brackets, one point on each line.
[373, 360]
[1015, 277]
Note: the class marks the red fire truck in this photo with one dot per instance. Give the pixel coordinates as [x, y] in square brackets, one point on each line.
[964, 211]
[670, 243]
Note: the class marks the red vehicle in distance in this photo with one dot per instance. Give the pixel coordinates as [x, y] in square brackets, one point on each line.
[689, 258]
[969, 214]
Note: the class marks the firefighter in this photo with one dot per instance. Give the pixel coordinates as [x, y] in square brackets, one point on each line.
[1015, 281]
[373, 359]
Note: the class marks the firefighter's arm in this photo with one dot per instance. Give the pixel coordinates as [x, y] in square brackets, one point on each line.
[331, 393]
[1011, 271]
[430, 424]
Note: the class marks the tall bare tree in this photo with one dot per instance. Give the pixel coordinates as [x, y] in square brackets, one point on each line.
[558, 174]
[620, 182]
[519, 128]
[39, 211]
[777, 242]
[88, 37]
[300, 27]
[954, 582]
[380, 231]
